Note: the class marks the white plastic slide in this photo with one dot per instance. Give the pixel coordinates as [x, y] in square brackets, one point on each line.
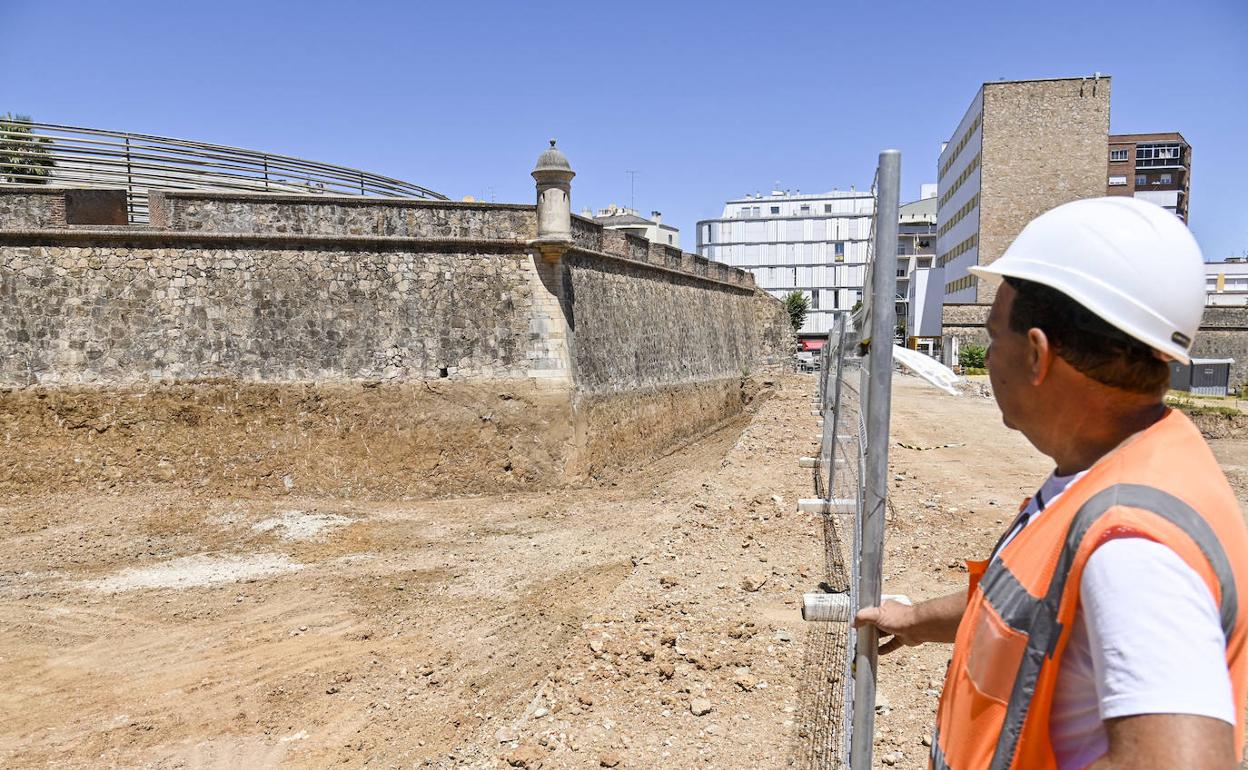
[928, 368]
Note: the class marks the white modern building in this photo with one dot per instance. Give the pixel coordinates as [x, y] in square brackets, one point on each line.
[920, 284]
[1226, 283]
[619, 218]
[958, 185]
[815, 244]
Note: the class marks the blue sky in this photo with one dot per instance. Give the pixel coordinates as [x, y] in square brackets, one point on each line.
[706, 101]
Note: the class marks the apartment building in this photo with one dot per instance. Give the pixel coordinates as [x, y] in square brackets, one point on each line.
[628, 220]
[1226, 283]
[1152, 167]
[920, 285]
[1022, 148]
[815, 244]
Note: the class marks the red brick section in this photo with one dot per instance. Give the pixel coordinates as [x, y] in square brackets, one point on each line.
[1180, 177]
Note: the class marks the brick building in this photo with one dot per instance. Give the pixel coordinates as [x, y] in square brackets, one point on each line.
[1152, 167]
[1022, 148]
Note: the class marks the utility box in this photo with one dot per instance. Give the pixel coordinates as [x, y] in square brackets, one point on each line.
[1204, 377]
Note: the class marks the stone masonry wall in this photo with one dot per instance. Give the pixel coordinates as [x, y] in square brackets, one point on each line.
[356, 346]
[966, 323]
[661, 356]
[637, 327]
[341, 215]
[1045, 143]
[1223, 334]
[115, 314]
[32, 207]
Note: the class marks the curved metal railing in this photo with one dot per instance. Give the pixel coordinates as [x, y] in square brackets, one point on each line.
[45, 153]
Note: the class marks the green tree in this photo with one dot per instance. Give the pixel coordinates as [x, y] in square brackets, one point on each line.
[23, 157]
[972, 356]
[798, 305]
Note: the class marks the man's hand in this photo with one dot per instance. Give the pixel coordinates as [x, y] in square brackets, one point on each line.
[935, 620]
[890, 619]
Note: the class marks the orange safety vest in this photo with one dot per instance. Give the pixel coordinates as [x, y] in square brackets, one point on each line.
[1165, 485]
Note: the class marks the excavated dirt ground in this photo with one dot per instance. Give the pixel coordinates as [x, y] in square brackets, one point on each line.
[647, 623]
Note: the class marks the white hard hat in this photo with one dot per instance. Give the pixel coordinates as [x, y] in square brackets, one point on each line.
[1132, 263]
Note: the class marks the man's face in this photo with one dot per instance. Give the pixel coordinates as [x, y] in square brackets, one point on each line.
[1008, 361]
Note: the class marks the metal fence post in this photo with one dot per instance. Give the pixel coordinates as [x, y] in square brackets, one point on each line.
[875, 482]
[830, 438]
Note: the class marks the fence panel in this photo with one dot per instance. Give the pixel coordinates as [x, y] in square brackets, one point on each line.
[851, 469]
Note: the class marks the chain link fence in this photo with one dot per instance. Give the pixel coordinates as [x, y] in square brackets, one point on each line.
[851, 486]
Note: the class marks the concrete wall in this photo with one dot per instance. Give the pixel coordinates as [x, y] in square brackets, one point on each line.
[357, 346]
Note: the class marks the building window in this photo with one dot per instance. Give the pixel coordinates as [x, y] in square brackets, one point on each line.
[1117, 154]
[669, 239]
[805, 209]
[1158, 155]
[838, 250]
[814, 300]
[1117, 181]
[1141, 180]
[827, 208]
[1165, 179]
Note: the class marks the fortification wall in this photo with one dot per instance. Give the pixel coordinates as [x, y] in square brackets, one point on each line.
[965, 323]
[354, 346]
[32, 207]
[636, 326]
[660, 355]
[335, 216]
[114, 314]
[1223, 333]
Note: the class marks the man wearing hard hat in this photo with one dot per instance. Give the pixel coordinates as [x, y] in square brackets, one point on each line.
[1107, 627]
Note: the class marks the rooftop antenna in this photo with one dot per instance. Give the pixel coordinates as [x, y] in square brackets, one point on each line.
[632, 188]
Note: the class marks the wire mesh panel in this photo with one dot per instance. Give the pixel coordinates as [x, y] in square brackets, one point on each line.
[850, 477]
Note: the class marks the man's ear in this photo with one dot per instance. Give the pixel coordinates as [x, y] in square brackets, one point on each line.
[1039, 356]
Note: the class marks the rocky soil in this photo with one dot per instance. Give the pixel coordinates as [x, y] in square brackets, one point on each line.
[649, 621]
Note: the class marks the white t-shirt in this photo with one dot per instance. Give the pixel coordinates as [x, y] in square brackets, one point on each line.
[1124, 657]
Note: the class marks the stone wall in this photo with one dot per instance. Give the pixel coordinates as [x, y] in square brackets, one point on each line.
[1045, 142]
[414, 347]
[31, 207]
[965, 323]
[657, 357]
[243, 213]
[115, 314]
[1223, 334]
[638, 327]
